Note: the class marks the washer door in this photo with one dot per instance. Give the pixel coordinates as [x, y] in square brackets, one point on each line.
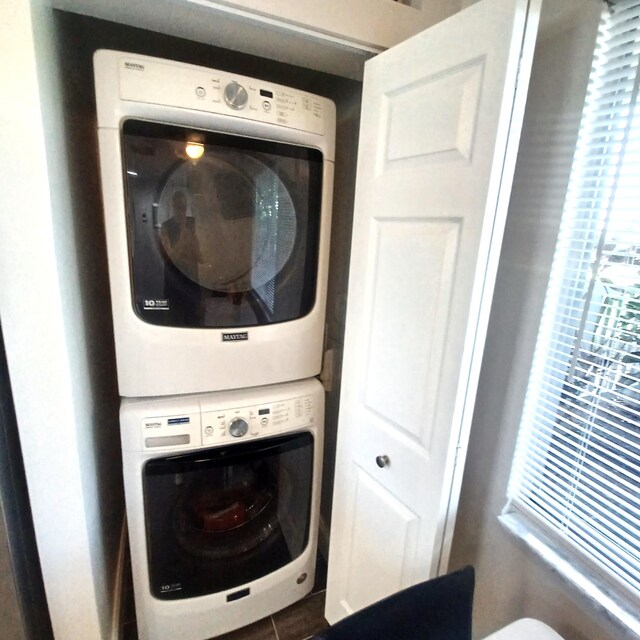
[221, 518]
[223, 230]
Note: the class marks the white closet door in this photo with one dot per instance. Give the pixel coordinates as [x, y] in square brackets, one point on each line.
[441, 119]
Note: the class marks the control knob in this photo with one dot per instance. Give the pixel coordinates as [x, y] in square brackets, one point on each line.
[238, 427]
[236, 96]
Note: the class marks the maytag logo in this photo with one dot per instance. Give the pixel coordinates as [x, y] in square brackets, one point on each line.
[134, 65]
[238, 336]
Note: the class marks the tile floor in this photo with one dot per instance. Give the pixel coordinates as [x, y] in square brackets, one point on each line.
[300, 621]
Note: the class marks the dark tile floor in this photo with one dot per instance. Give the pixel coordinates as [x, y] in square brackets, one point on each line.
[300, 621]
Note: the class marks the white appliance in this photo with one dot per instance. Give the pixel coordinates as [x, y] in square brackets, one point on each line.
[217, 191]
[222, 494]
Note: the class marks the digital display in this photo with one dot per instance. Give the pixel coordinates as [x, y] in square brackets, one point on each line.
[263, 412]
[266, 94]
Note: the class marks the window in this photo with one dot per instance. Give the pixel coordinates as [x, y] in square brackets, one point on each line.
[577, 463]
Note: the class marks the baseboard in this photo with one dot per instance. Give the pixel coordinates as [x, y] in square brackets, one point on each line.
[116, 621]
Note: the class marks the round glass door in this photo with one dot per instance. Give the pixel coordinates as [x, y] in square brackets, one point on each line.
[227, 223]
[223, 236]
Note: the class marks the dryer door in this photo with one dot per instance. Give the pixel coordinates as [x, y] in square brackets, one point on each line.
[223, 230]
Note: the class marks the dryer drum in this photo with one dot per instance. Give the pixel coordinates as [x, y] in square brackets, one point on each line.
[227, 222]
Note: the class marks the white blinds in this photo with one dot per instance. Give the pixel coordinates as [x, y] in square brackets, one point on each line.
[577, 464]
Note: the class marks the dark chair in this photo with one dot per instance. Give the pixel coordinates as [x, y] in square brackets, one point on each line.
[438, 609]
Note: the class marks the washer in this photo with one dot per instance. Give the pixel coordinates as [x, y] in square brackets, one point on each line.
[222, 495]
[217, 191]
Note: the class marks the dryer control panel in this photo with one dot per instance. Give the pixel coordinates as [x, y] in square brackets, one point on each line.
[171, 84]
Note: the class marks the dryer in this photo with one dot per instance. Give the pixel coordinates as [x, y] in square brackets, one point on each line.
[222, 495]
[217, 191]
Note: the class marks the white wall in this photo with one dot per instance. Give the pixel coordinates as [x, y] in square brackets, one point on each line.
[61, 373]
[511, 581]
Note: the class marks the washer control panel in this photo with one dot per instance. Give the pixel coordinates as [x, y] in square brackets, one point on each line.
[171, 431]
[163, 83]
[238, 427]
[241, 423]
[209, 425]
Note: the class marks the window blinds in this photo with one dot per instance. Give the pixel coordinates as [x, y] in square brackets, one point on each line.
[577, 463]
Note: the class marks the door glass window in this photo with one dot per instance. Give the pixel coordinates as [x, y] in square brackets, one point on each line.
[223, 230]
[221, 518]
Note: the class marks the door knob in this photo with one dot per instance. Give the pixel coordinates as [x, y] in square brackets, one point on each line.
[382, 461]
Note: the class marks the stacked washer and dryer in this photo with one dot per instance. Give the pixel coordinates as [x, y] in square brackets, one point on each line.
[217, 191]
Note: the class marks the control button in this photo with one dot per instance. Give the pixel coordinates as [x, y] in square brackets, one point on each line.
[236, 96]
[266, 105]
[265, 421]
[208, 430]
[201, 92]
[238, 427]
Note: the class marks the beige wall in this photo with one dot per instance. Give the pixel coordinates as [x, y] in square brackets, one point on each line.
[511, 581]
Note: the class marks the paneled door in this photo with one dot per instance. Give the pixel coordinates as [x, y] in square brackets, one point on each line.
[441, 120]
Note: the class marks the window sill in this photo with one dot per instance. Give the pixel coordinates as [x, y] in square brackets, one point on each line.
[596, 590]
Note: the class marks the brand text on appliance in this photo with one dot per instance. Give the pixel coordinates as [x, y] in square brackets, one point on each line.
[238, 336]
